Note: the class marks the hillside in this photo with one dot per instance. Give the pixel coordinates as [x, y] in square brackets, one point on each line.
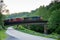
[46, 12]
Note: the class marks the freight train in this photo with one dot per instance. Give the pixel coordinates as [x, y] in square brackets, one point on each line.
[23, 20]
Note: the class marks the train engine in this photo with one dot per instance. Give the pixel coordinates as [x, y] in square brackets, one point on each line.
[32, 19]
[13, 21]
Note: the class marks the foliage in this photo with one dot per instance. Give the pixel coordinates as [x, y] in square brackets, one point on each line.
[1, 21]
[25, 30]
[36, 27]
[54, 21]
[2, 35]
[54, 18]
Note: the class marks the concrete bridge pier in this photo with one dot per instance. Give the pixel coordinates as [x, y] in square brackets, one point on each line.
[45, 28]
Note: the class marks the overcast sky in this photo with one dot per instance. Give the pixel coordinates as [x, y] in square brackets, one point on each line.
[24, 5]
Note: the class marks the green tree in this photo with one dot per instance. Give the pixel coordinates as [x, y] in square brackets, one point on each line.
[1, 21]
[54, 21]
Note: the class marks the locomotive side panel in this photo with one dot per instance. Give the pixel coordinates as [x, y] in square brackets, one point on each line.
[16, 20]
[31, 19]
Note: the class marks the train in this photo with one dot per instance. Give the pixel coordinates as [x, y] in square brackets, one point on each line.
[23, 20]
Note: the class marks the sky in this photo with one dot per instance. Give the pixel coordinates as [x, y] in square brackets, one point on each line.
[16, 6]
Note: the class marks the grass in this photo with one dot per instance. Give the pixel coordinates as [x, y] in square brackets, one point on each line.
[22, 29]
[2, 35]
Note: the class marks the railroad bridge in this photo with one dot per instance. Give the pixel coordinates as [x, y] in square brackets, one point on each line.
[44, 23]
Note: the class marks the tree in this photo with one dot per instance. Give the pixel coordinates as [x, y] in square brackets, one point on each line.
[54, 21]
[1, 21]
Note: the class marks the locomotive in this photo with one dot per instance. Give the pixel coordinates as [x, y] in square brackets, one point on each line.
[23, 20]
[32, 19]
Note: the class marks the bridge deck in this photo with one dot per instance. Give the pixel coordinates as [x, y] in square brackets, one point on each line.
[27, 22]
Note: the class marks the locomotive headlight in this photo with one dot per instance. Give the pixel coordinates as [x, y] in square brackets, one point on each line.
[41, 18]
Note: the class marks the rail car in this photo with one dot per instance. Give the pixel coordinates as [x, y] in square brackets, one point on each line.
[23, 20]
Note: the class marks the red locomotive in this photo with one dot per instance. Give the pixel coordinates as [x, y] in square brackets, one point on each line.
[16, 20]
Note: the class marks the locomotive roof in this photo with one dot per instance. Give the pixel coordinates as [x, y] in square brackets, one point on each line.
[32, 17]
